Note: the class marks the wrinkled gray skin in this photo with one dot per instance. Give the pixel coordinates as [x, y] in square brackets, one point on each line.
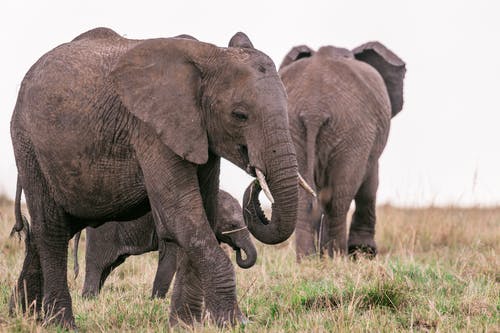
[109, 245]
[107, 129]
[340, 104]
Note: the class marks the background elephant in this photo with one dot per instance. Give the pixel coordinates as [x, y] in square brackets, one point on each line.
[107, 128]
[108, 245]
[340, 104]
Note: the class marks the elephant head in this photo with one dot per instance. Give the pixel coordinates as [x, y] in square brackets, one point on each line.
[226, 101]
[390, 67]
[231, 229]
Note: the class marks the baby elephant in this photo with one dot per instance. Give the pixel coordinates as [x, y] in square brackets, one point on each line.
[109, 245]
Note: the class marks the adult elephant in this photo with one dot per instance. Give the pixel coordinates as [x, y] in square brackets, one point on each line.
[107, 129]
[110, 244]
[340, 104]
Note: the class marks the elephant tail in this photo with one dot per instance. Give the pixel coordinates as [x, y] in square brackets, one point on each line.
[311, 153]
[21, 221]
[76, 267]
[313, 126]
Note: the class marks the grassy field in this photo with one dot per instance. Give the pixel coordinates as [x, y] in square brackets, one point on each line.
[437, 270]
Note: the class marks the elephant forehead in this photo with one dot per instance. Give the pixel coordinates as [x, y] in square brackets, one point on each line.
[270, 86]
[237, 53]
[254, 58]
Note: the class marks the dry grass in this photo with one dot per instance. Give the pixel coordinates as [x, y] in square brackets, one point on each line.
[437, 270]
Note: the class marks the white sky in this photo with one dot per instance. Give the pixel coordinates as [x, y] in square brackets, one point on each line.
[444, 145]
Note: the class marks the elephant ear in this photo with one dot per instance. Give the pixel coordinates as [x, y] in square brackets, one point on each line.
[390, 66]
[240, 39]
[296, 53]
[158, 83]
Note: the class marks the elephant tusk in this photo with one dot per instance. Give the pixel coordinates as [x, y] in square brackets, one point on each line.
[306, 186]
[263, 185]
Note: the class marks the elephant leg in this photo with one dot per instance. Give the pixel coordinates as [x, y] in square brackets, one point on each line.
[177, 207]
[167, 264]
[187, 297]
[28, 293]
[97, 270]
[307, 227]
[102, 256]
[342, 182]
[46, 262]
[29, 288]
[335, 200]
[215, 270]
[333, 232]
[92, 284]
[52, 235]
[53, 247]
[95, 262]
[362, 231]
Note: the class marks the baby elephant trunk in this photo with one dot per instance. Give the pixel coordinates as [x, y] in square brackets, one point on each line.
[240, 240]
[250, 253]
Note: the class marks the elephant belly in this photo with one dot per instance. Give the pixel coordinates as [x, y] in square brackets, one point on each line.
[100, 189]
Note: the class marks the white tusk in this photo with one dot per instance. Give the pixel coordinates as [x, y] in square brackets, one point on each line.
[306, 186]
[263, 185]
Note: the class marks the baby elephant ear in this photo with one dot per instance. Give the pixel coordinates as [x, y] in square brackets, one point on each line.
[390, 66]
[158, 83]
[241, 40]
[296, 53]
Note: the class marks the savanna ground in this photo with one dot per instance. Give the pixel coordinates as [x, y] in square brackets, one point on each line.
[437, 270]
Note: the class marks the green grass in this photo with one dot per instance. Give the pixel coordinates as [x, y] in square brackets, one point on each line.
[437, 270]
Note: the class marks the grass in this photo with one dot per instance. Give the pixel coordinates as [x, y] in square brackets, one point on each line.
[437, 270]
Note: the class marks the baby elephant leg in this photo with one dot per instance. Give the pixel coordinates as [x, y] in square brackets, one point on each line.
[167, 265]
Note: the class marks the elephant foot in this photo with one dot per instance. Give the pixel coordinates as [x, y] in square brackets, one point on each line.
[160, 294]
[66, 324]
[362, 251]
[30, 305]
[89, 294]
[309, 256]
[60, 317]
[222, 321]
[184, 317]
[231, 319]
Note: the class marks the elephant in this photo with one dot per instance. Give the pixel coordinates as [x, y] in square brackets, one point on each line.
[340, 105]
[107, 128]
[109, 245]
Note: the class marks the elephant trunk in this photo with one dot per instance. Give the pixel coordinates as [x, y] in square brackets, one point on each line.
[282, 180]
[250, 253]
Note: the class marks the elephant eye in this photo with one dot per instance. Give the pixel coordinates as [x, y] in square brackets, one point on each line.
[239, 115]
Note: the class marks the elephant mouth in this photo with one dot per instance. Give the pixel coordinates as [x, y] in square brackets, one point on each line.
[254, 203]
[243, 151]
[255, 172]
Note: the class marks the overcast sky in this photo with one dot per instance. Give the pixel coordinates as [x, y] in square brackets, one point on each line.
[443, 147]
